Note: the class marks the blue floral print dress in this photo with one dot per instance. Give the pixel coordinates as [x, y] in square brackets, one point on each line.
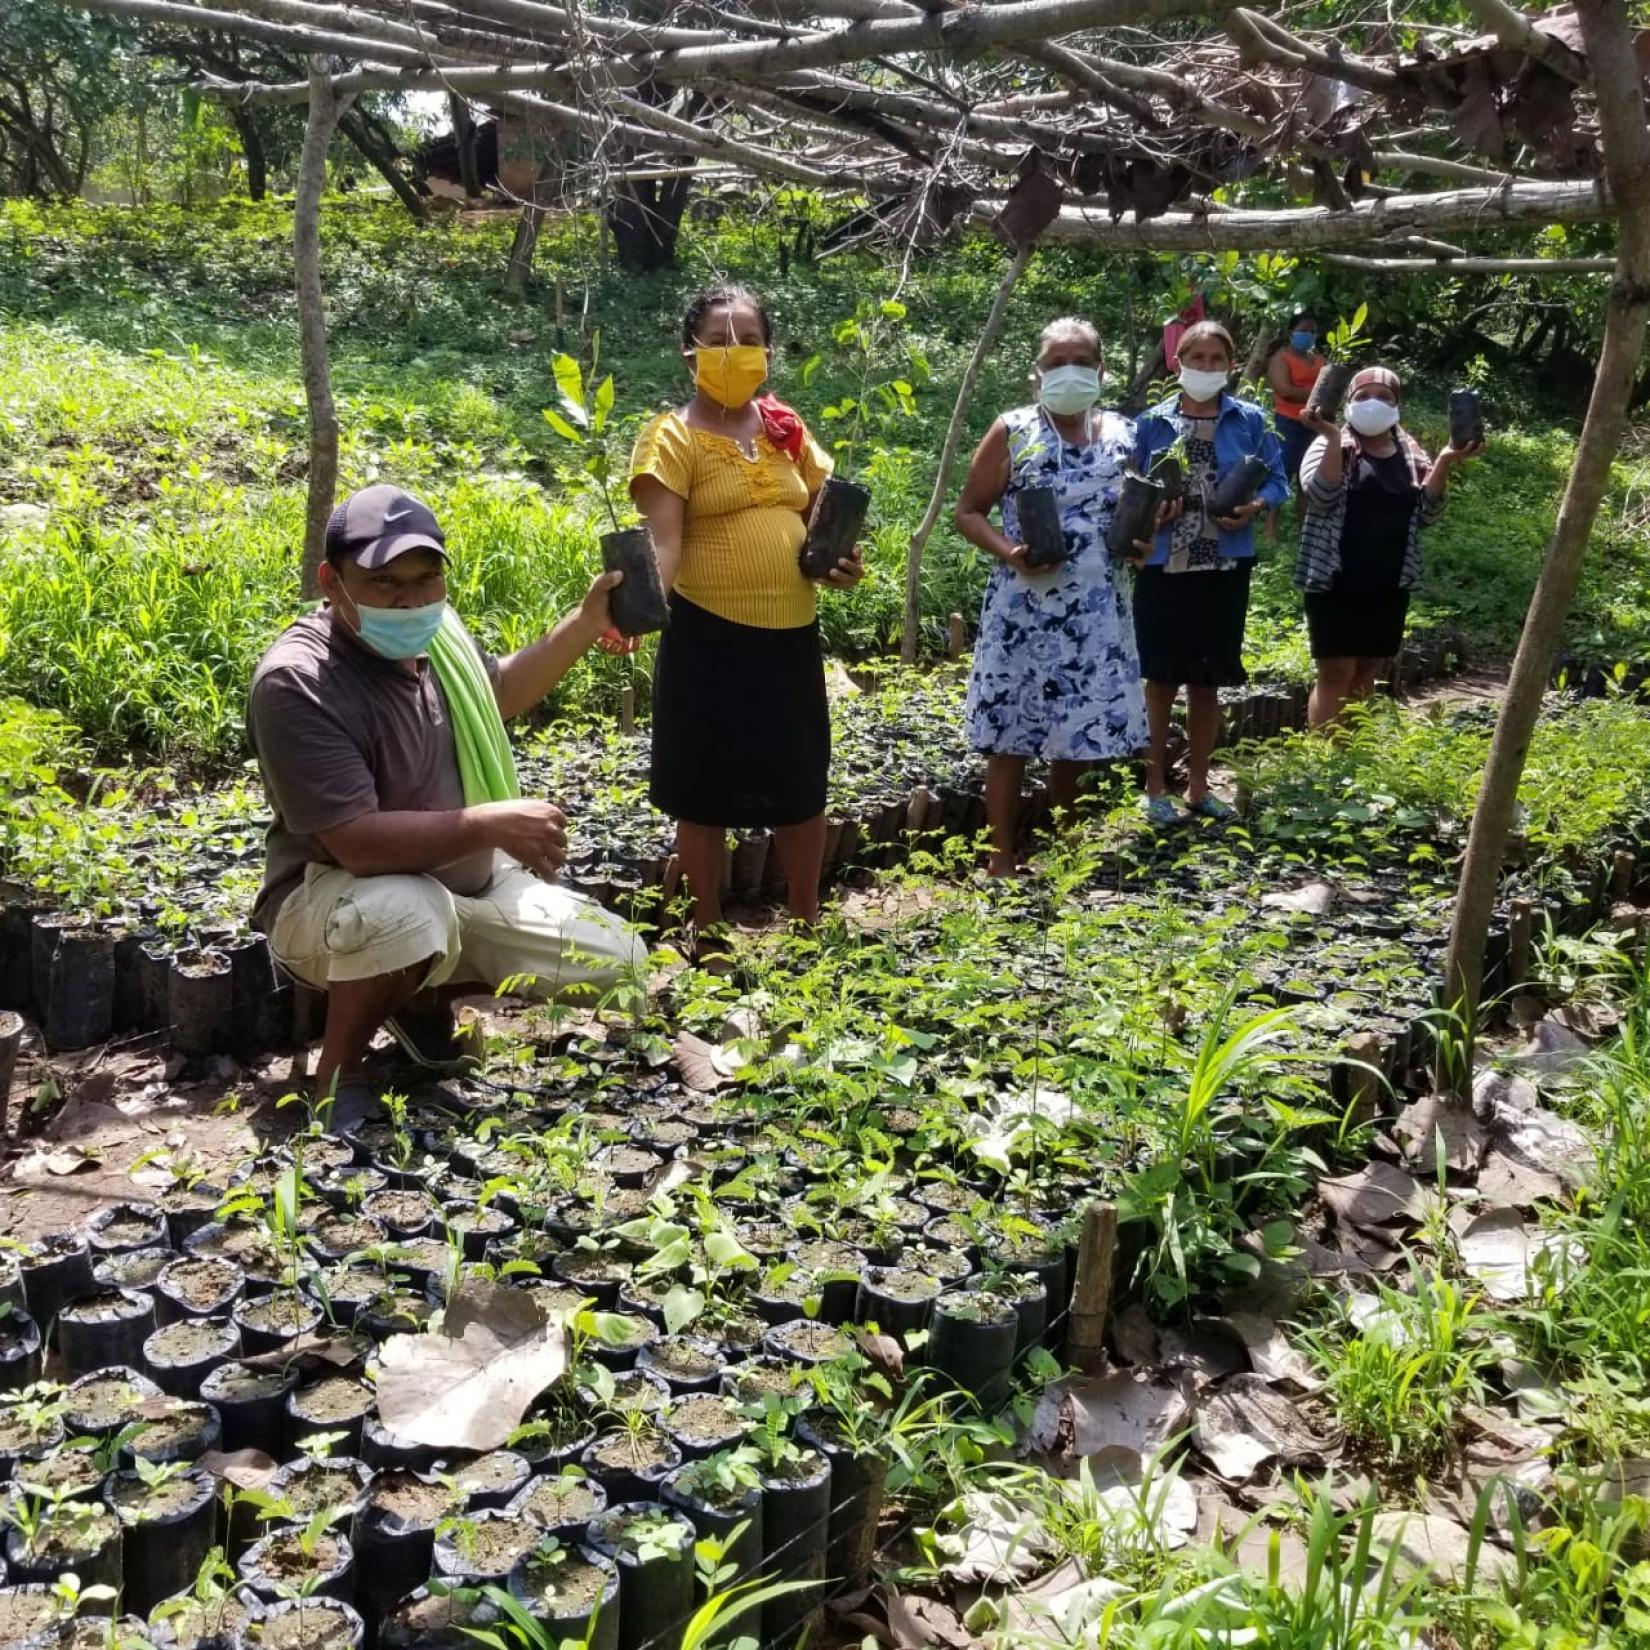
[1055, 671]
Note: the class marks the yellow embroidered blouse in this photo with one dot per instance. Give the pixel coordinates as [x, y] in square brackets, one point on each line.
[744, 524]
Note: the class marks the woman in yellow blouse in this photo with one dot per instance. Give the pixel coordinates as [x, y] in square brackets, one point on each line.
[741, 729]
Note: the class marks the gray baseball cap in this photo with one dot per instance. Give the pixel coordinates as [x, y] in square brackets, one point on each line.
[377, 524]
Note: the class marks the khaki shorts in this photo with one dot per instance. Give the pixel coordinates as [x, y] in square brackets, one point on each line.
[337, 927]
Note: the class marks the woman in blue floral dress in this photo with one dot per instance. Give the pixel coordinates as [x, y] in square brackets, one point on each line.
[1055, 672]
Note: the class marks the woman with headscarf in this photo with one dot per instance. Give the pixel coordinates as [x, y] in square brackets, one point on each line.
[1055, 673]
[1367, 491]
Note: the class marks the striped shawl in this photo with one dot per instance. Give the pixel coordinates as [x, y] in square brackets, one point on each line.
[1323, 514]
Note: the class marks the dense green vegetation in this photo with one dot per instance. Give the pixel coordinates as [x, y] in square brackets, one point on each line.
[148, 402]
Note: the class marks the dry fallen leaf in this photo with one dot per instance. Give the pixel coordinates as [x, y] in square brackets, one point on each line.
[1436, 1120]
[1505, 1181]
[1134, 1335]
[1246, 1424]
[696, 1060]
[1437, 1545]
[69, 1160]
[1376, 1195]
[985, 1537]
[469, 1387]
[1314, 898]
[246, 1469]
[1499, 1250]
[1139, 1411]
[1270, 1353]
[308, 1351]
[883, 1351]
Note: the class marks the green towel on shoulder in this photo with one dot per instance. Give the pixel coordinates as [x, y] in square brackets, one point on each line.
[485, 762]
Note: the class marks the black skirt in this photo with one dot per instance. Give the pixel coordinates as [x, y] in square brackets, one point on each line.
[741, 728]
[1356, 624]
[1188, 627]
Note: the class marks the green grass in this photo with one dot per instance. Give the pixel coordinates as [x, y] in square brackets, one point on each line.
[1394, 776]
[149, 400]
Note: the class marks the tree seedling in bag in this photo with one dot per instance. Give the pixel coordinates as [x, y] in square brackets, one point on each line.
[638, 604]
[882, 396]
[1466, 418]
[1134, 521]
[1238, 486]
[1330, 387]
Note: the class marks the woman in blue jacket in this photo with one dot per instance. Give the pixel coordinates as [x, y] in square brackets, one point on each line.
[1191, 592]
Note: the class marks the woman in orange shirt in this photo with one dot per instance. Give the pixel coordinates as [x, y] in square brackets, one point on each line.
[741, 728]
[1292, 372]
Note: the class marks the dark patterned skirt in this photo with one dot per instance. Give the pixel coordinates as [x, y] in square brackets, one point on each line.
[1356, 624]
[741, 727]
[1189, 626]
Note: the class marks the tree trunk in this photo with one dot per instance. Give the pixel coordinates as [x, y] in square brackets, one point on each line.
[49, 172]
[252, 151]
[519, 265]
[1626, 146]
[646, 218]
[381, 156]
[948, 452]
[325, 110]
[464, 141]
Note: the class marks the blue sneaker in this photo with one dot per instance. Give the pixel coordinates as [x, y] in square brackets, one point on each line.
[1161, 810]
[1211, 807]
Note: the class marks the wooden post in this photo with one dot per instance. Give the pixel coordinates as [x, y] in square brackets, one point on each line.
[1364, 1079]
[326, 108]
[957, 640]
[627, 710]
[1607, 36]
[11, 1038]
[1091, 1288]
[1520, 923]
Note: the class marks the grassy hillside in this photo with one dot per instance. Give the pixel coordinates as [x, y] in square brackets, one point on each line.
[149, 402]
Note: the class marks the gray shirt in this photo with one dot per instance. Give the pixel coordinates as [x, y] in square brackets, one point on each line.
[339, 731]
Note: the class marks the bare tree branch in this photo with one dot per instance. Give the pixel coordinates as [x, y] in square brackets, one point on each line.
[1520, 32]
[1247, 231]
[325, 110]
[1273, 43]
[1472, 266]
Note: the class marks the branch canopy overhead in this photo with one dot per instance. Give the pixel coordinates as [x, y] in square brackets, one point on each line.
[1159, 125]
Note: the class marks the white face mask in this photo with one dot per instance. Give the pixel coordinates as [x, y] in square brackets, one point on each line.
[1202, 386]
[1069, 389]
[1371, 417]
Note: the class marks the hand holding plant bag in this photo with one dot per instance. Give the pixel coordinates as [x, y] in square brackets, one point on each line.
[638, 601]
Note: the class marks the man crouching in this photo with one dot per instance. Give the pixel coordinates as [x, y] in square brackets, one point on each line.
[403, 865]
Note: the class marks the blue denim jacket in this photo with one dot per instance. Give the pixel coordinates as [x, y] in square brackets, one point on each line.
[1240, 429]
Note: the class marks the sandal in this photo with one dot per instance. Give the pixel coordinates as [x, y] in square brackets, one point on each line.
[1212, 807]
[1161, 810]
[432, 1041]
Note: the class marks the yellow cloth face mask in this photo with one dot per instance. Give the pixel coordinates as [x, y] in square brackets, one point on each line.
[730, 373]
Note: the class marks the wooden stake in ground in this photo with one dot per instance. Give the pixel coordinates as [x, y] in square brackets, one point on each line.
[1626, 145]
[325, 110]
[948, 453]
[1091, 1288]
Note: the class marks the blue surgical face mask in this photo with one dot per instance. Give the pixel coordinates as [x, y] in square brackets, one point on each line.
[1303, 341]
[399, 632]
